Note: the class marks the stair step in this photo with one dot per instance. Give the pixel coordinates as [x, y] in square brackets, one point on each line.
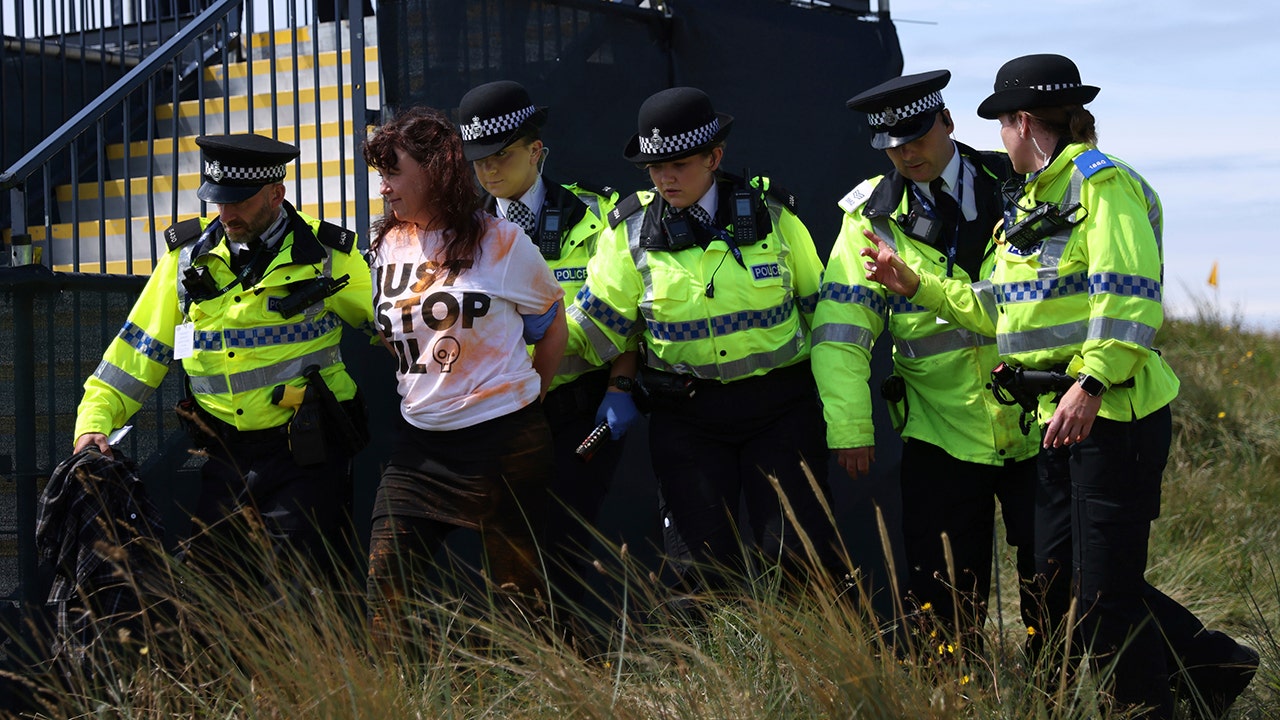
[313, 106]
[235, 79]
[59, 252]
[124, 199]
[313, 141]
[325, 39]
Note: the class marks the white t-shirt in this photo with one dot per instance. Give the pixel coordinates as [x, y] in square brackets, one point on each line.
[459, 336]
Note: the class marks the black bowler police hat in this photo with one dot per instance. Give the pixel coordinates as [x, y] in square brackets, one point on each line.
[902, 109]
[676, 123]
[492, 115]
[236, 167]
[1036, 81]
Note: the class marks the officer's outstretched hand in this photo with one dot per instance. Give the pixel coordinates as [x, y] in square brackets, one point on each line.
[856, 461]
[886, 268]
[92, 438]
[619, 410]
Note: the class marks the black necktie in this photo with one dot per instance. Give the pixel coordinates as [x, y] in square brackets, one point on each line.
[945, 208]
[520, 214]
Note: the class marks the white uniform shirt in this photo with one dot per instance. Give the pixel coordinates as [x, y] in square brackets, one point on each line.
[459, 336]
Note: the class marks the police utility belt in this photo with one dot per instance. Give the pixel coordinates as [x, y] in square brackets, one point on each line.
[1024, 388]
[319, 422]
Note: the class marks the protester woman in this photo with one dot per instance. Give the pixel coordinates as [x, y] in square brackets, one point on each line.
[1077, 290]
[457, 294]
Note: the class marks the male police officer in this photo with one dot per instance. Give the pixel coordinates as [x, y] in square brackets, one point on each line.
[252, 302]
[502, 138]
[962, 449]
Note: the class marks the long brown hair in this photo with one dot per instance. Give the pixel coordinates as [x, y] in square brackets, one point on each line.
[429, 137]
[1073, 122]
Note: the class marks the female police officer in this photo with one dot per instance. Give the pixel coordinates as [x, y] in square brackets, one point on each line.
[716, 277]
[502, 138]
[1076, 289]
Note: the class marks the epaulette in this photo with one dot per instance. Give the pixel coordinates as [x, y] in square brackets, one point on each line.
[336, 237]
[786, 198]
[181, 233]
[624, 209]
[601, 190]
[857, 196]
[1091, 162]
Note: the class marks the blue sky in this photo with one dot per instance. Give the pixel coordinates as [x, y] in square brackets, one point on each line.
[1190, 97]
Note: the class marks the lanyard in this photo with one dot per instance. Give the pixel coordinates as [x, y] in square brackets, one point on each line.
[953, 241]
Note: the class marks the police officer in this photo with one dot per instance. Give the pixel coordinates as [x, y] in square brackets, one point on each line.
[713, 278]
[252, 303]
[502, 138]
[1077, 290]
[962, 449]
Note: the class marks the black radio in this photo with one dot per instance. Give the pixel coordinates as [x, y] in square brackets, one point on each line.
[549, 238]
[1043, 220]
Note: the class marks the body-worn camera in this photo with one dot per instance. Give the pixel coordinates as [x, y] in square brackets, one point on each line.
[1044, 220]
[679, 232]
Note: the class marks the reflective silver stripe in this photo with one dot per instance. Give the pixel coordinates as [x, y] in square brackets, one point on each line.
[126, 384]
[1046, 338]
[263, 377]
[599, 341]
[986, 294]
[732, 370]
[1051, 251]
[145, 344]
[883, 231]
[591, 202]
[640, 258]
[1153, 203]
[574, 365]
[843, 333]
[1102, 328]
[953, 339]
[184, 262]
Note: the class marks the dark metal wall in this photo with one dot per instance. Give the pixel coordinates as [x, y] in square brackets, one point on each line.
[783, 72]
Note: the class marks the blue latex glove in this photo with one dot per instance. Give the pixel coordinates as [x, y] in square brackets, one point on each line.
[620, 411]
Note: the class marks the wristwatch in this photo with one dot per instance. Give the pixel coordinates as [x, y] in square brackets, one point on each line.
[1091, 385]
[623, 383]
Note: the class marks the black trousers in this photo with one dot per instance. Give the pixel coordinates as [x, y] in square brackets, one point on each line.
[942, 494]
[1095, 506]
[578, 488]
[303, 510]
[713, 451]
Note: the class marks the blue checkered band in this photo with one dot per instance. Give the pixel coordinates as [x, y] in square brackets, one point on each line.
[891, 116]
[656, 144]
[901, 305]
[1038, 290]
[1118, 284]
[860, 294]
[150, 347]
[808, 303]
[482, 128]
[218, 172]
[276, 335]
[721, 324]
[601, 312]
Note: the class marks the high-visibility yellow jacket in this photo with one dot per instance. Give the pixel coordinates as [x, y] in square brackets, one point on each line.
[945, 368]
[242, 347]
[581, 210]
[701, 312]
[1088, 297]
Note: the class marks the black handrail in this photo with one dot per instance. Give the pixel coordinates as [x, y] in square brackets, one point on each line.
[18, 173]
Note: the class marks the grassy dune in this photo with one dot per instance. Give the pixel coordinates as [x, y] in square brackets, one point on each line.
[759, 656]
